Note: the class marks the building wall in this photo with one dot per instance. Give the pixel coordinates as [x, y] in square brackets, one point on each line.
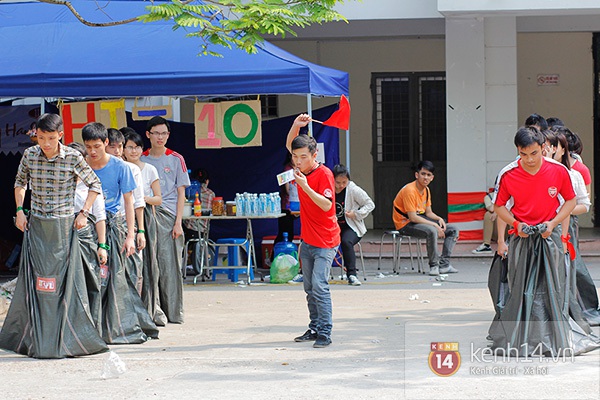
[361, 58]
[537, 53]
[570, 56]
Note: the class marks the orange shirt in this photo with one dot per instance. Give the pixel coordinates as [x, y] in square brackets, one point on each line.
[408, 200]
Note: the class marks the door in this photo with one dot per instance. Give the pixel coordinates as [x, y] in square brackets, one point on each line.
[409, 125]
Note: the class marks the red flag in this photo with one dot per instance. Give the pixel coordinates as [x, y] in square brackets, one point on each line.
[341, 118]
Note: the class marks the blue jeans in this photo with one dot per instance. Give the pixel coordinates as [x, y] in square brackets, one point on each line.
[316, 264]
[428, 232]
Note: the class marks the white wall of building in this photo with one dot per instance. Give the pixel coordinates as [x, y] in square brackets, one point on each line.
[570, 56]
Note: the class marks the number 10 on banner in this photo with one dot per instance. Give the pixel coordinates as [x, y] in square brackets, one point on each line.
[227, 124]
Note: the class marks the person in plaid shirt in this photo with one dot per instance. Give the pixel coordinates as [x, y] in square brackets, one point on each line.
[49, 317]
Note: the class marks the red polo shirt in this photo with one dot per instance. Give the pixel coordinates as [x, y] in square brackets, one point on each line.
[535, 196]
[319, 228]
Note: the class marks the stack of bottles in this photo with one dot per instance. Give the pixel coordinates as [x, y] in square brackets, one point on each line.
[252, 204]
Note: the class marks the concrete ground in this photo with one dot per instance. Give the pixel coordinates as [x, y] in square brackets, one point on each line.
[237, 342]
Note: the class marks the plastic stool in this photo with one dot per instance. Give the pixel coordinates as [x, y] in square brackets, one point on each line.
[339, 263]
[397, 243]
[233, 258]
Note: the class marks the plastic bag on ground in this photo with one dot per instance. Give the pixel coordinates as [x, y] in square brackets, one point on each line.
[283, 268]
[113, 366]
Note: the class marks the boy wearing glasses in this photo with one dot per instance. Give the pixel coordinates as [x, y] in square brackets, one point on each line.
[172, 172]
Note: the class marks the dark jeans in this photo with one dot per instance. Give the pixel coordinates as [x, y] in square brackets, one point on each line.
[349, 239]
[430, 233]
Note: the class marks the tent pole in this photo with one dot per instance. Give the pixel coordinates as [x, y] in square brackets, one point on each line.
[42, 105]
[348, 149]
[309, 111]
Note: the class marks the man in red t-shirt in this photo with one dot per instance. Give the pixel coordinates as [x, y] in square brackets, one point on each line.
[320, 230]
[532, 318]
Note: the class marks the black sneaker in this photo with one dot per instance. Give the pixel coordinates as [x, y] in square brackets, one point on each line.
[322, 341]
[308, 336]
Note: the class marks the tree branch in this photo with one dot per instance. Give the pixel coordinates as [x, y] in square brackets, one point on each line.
[83, 20]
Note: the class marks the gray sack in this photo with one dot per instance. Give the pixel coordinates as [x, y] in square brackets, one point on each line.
[49, 315]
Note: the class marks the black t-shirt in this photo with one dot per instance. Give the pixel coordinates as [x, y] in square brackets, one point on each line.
[340, 207]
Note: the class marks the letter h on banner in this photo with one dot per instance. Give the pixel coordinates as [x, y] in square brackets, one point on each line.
[70, 125]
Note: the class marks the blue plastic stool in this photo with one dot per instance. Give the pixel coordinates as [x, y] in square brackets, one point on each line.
[233, 258]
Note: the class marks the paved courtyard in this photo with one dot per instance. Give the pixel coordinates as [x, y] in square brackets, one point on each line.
[237, 343]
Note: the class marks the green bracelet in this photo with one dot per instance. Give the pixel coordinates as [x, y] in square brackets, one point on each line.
[104, 246]
[20, 208]
[141, 231]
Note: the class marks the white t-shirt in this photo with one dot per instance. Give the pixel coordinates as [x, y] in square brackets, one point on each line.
[138, 192]
[149, 176]
[81, 193]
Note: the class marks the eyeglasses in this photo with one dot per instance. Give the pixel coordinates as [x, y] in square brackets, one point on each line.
[133, 148]
[159, 134]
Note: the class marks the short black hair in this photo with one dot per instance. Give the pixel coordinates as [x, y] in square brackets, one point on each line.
[537, 120]
[202, 175]
[428, 165]
[553, 121]
[528, 135]
[94, 131]
[79, 147]
[341, 170]
[127, 130]
[50, 123]
[302, 141]
[115, 136]
[154, 121]
[134, 137]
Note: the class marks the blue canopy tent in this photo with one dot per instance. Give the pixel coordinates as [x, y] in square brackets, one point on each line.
[47, 52]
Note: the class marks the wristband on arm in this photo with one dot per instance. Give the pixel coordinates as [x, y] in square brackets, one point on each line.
[515, 229]
[570, 248]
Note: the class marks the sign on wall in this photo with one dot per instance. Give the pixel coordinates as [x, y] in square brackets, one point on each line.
[15, 123]
[76, 115]
[548, 79]
[228, 124]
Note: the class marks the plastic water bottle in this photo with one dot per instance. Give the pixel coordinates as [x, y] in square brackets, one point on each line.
[285, 247]
[238, 205]
[277, 204]
[269, 205]
[262, 204]
[253, 204]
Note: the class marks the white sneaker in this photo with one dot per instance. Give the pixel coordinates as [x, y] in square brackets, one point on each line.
[483, 249]
[434, 271]
[448, 270]
[297, 279]
[353, 281]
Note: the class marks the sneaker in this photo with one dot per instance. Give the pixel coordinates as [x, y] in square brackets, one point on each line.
[322, 341]
[483, 249]
[308, 336]
[448, 270]
[353, 281]
[434, 271]
[297, 279]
